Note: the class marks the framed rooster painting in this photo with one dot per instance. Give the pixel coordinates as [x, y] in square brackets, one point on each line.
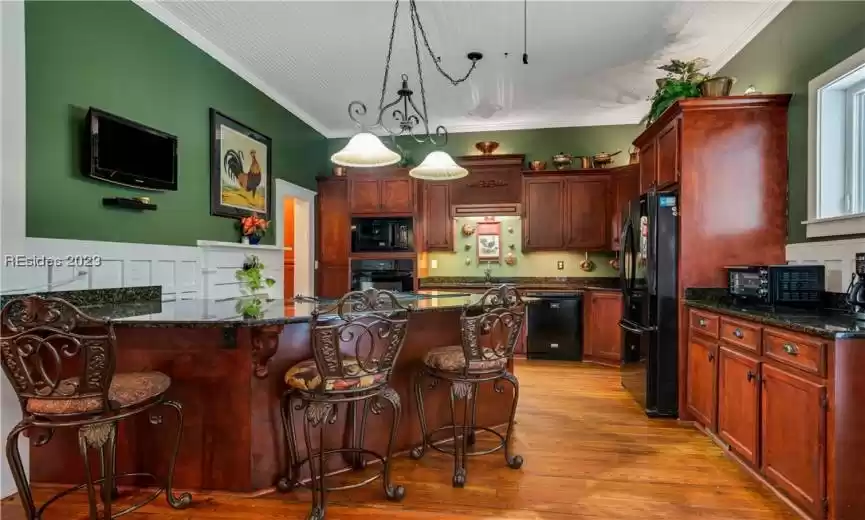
[241, 180]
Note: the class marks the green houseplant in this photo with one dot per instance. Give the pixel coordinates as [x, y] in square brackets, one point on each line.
[682, 81]
[251, 276]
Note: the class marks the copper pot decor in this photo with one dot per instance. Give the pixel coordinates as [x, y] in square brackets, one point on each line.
[718, 86]
[339, 171]
[537, 166]
[562, 160]
[603, 159]
[487, 147]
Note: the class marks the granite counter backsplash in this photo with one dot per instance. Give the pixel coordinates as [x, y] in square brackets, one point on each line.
[540, 282]
[89, 297]
[831, 321]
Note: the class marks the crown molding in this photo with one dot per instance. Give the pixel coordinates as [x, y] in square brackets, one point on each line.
[168, 18]
[496, 126]
[772, 10]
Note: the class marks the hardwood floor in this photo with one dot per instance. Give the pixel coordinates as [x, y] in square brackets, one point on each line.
[590, 454]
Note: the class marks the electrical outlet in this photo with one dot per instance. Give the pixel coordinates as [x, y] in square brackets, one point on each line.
[434, 264]
[560, 265]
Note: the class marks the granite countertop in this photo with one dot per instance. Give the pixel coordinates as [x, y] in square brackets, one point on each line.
[224, 313]
[524, 283]
[827, 323]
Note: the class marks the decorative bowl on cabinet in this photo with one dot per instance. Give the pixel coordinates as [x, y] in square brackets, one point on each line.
[487, 147]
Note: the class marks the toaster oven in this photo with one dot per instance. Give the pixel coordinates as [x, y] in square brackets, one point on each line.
[789, 285]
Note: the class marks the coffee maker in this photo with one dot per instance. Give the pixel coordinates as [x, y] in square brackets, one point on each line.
[856, 291]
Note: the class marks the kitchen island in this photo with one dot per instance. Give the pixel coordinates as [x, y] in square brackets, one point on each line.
[227, 371]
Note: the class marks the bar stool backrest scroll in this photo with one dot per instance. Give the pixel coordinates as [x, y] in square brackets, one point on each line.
[491, 327]
[359, 337]
[51, 350]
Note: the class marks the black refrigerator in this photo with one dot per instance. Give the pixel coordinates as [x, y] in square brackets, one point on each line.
[648, 269]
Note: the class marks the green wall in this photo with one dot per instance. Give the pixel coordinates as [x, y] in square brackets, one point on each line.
[804, 41]
[464, 261]
[115, 56]
[537, 144]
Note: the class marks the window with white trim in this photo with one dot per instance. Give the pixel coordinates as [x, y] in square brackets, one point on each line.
[836, 152]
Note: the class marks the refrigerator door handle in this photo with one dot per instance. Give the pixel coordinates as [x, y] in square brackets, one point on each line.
[634, 328]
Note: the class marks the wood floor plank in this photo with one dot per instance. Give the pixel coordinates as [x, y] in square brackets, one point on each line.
[590, 454]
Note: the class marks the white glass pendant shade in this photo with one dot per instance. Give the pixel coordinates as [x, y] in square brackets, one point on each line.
[365, 150]
[438, 166]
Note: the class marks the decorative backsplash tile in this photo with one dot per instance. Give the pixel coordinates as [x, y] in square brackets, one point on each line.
[464, 260]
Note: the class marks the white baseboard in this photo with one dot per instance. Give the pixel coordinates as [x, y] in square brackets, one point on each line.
[836, 255]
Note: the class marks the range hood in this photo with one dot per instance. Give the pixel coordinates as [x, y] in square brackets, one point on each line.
[494, 187]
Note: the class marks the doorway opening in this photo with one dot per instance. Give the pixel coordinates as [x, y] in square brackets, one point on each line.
[295, 229]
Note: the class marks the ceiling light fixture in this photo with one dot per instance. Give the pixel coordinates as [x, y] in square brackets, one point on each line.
[365, 149]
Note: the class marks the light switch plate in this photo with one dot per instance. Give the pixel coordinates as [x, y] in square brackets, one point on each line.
[560, 265]
[434, 264]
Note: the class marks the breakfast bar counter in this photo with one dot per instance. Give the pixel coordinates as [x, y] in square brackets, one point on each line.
[227, 370]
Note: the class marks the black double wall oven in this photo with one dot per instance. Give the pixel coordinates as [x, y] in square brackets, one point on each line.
[373, 244]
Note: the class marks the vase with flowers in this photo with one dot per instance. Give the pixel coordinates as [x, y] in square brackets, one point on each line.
[252, 228]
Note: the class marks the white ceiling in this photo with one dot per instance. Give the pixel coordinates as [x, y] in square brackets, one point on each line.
[590, 63]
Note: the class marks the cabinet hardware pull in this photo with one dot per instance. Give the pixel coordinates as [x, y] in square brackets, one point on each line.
[711, 356]
[751, 376]
[702, 322]
[738, 333]
[791, 349]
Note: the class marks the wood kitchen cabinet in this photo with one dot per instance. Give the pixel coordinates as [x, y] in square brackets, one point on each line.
[739, 403]
[334, 237]
[380, 193]
[587, 212]
[438, 224]
[771, 402]
[602, 336]
[668, 168]
[625, 188]
[702, 378]
[543, 213]
[648, 165]
[793, 428]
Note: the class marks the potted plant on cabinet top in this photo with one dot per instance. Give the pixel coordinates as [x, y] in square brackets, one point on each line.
[682, 81]
[252, 228]
[252, 281]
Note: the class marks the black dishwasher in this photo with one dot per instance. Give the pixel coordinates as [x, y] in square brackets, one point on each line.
[555, 327]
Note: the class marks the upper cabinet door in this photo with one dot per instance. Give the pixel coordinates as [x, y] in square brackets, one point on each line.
[587, 202]
[396, 195]
[648, 166]
[625, 187]
[334, 223]
[437, 219]
[544, 212]
[364, 196]
[669, 162]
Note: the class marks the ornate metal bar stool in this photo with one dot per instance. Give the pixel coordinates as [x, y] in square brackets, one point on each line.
[490, 329]
[61, 364]
[355, 344]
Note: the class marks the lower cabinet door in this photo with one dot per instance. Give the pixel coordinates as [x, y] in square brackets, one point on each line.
[702, 378]
[794, 437]
[739, 403]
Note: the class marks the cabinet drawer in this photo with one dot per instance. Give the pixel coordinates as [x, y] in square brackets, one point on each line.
[804, 352]
[741, 334]
[704, 322]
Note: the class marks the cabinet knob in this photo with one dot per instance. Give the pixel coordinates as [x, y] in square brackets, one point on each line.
[751, 376]
[702, 322]
[791, 349]
[738, 333]
[711, 356]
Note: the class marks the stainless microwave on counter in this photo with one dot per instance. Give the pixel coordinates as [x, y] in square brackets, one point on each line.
[790, 285]
[382, 235]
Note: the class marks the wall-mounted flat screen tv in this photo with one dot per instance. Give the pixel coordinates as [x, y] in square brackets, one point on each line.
[125, 152]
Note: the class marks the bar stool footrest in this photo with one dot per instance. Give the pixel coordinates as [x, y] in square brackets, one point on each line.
[450, 451]
[153, 496]
[327, 453]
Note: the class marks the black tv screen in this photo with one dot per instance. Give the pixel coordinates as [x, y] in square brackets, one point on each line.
[129, 153]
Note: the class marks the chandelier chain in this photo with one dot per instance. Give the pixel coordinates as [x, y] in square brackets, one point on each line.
[436, 61]
[389, 53]
[415, 22]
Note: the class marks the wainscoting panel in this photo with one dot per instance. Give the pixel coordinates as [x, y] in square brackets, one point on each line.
[837, 255]
[220, 260]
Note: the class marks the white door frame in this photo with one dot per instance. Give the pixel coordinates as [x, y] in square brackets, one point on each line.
[304, 233]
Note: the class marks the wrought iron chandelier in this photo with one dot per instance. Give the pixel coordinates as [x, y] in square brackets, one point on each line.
[403, 117]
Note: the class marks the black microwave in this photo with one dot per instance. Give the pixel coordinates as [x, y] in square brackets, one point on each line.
[791, 285]
[381, 235]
